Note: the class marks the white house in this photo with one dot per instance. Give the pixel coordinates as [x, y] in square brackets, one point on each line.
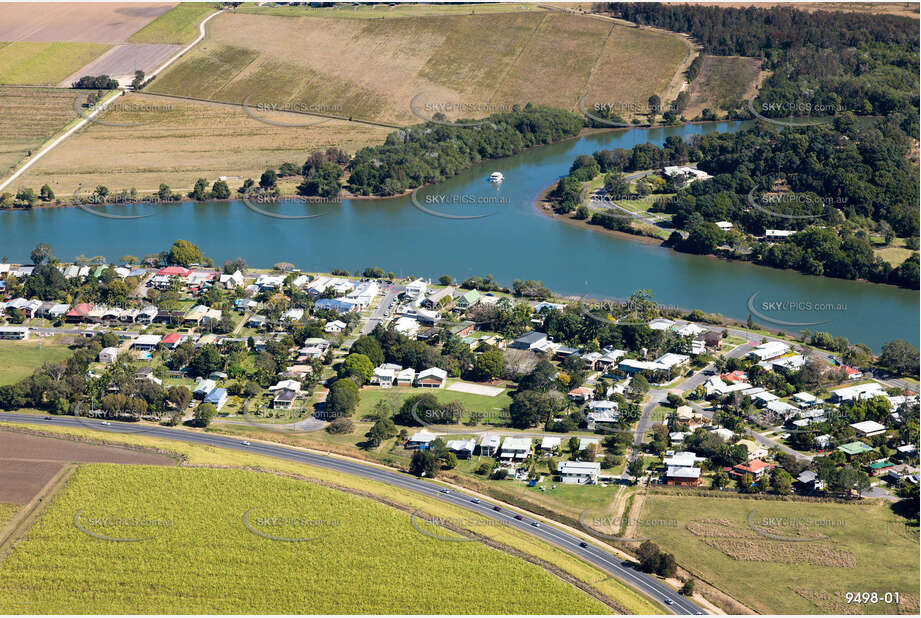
[336, 326]
[433, 377]
[462, 448]
[770, 350]
[108, 355]
[420, 440]
[407, 326]
[147, 342]
[515, 448]
[415, 289]
[292, 315]
[489, 445]
[857, 392]
[867, 429]
[724, 225]
[777, 235]
[805, 399]
[579, 472]
[661, 324]
[682, 459]
[551, 444]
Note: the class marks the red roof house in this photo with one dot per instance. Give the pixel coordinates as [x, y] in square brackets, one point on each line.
[78, 312]
[755, 467]
[735, 376]
[174, 271]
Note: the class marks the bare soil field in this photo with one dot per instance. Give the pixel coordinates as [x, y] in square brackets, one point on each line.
[723, 80]
[122, 61]
[465, 66]
[64, 21]
[183, 141]
[28, 462]
[29, 116]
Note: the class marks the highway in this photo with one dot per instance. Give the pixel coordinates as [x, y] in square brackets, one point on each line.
[594, 554]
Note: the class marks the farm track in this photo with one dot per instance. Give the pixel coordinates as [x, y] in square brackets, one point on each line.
[26, 516]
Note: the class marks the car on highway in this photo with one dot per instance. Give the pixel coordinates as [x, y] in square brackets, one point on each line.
[47, 418]
[519, 517]
[497, 508]
[245, 443]
[475, 500]
[106, 423]
[583, 544]
[669, 602]
[536, 524]
[445, 491]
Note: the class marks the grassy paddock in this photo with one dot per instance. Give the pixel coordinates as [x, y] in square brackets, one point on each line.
[26, 62]
[866, 547]
[28, 118]
[19, 359]
[385, 12]
[626, 597]
[722, 80]
[177, 26]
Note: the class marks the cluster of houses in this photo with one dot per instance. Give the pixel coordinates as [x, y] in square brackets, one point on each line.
[389, 375]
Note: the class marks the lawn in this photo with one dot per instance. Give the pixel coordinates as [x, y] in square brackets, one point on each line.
[395, 396]
[19, 359]
[894, 255]
[26, 62]
[723, 80]
[865, 547]
[178, 25]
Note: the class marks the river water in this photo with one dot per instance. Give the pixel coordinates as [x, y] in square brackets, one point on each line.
[514, 241]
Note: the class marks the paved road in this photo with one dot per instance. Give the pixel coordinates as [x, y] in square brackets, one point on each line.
[551, 534]
[382, 309]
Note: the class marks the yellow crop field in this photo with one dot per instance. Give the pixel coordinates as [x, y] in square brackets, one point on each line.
[26, 62]
[129, 539]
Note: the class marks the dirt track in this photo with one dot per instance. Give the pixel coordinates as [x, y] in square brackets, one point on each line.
[28, 462]
[81, 23]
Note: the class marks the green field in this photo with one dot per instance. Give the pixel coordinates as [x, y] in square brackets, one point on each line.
[25, 62]
[346, 11]
[178, 25]
[865, 548]
[395, 396]
[19, 359]
[199, 556]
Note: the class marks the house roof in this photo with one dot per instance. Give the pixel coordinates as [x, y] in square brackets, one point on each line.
[754, 466]
[683, 472]
[868, 427]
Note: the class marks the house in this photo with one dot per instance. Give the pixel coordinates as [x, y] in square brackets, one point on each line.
[682, 459]
[146, 315]
[419, 440]
[256, 321]
[857, 392]
[755, 451]
[851, 373]
[173, 340]
[297, 372]
[406, 377]
[468, 300]
[146, 374]
[336, 326]
[284, 398]
[385, 375]
[462, 329]
[781, 408]
[880, 467]
[462, 448]
[724, 225]
[269, 282]
[415, 289]
[108, 355]
[531, 341]
[580, 394]
[14, 333]
[726, 434]
[515, 449]
[579, 472]
[852, 449]
[204, 388]
[867, 429]
[432, 377]
[666, 362]
[489, 445]
[146, 342]
[789, 362]
[609, 358]
[661, 324]
[808, 481]
[907, 450]
[590, 359]
[822, 442]
[245, 304]
[174, 271]
[690, 174]
[292, 315]
[777, 235]
[232, 281]
[756, 468]
[364, 294]
[690, 330]
[78, 313]
[439, 298]
[217, 397]
[769, 350]
[339, 305]
[677, 437]
[805, 399]
[682, 476]
[550, 444]
[762, 398]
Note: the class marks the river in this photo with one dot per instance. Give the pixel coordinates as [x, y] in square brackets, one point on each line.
[515, 241]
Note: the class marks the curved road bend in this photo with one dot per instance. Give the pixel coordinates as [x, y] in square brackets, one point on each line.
[648, 584]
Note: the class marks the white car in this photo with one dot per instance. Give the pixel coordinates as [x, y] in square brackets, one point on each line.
[245, 443]
[106, 423]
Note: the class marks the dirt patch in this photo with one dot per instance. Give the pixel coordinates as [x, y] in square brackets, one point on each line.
[82, 23]
[28, 463]
[784, 552]
[723, 80]
[123, 60]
